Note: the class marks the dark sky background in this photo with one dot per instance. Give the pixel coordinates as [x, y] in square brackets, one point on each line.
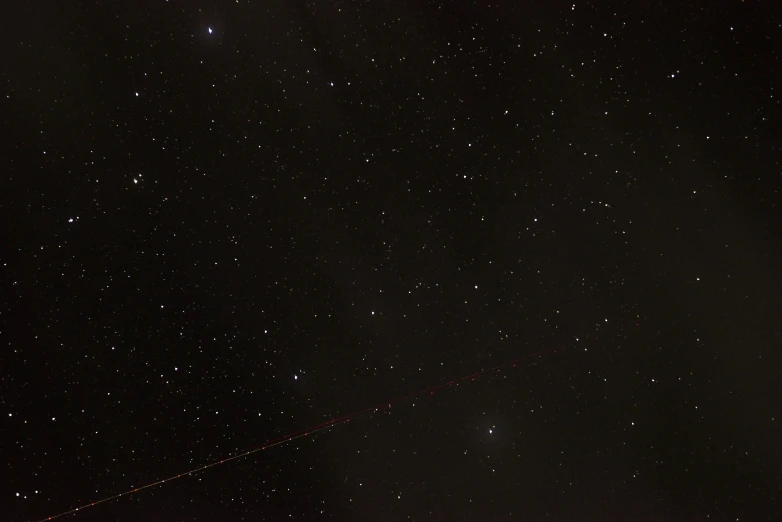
[224, 222]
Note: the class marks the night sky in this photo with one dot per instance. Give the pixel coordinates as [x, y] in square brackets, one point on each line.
[222, 223]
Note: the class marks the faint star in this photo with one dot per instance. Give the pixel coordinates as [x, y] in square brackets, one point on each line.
[210, 30]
